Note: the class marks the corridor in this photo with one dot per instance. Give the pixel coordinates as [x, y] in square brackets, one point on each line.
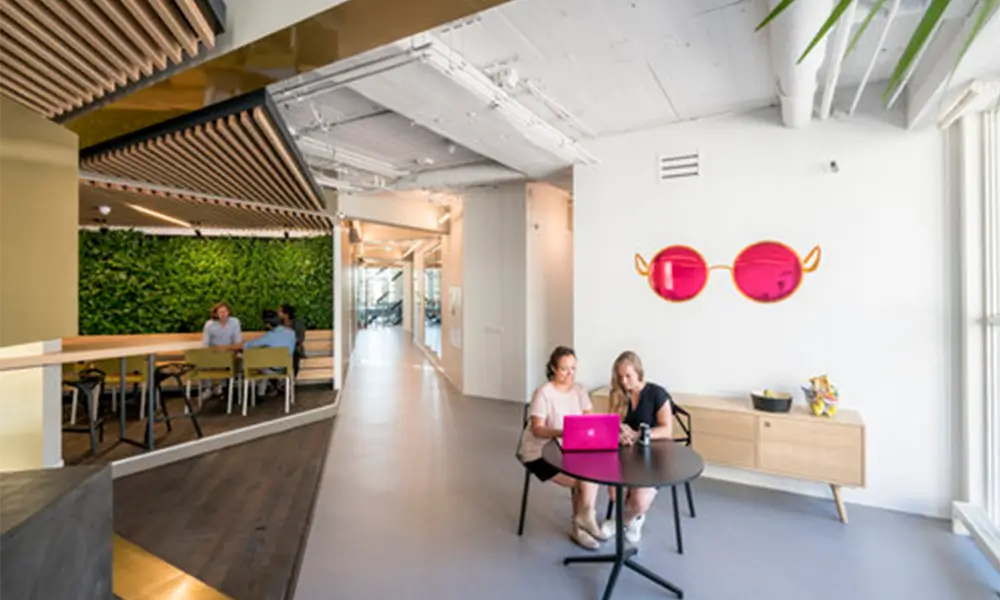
[420, 495]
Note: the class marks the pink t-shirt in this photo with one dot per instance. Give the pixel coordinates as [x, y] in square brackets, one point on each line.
[552, 405]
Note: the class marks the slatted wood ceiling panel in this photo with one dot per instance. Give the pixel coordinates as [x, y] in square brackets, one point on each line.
[242, 155]
[196, 210]
[57, 56]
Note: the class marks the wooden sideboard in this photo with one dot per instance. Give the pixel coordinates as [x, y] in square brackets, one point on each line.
[728, 431]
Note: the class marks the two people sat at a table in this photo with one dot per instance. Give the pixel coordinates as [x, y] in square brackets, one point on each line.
[638, 402]
[550, 404]
[287, 314]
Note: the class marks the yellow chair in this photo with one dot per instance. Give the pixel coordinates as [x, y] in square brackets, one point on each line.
[208, 364]
[256, 364]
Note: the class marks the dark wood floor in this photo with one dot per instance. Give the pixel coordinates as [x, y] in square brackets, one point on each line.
[212, 419]
[235, 519]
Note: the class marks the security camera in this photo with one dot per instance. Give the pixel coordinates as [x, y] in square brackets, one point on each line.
[104, 209]
[834, 167]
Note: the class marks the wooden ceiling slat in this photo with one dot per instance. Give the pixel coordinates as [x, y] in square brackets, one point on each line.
[214, 168]
[183, 143]
[249, 177]
[15, 94]
[74, 41]
[204, 138]
[178, 26]
[167, 163]
[197, 20]
[27, 26]
[272, 157]
[29, 61]
[237, 138]
[118, 164]
[43, 55]
[11, 64]
[175, 156]
[265, 124]
[103, 25]
[156, 29]
[14, 80]
[133, 31]
[75, 22]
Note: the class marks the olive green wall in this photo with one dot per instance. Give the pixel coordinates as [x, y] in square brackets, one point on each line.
[133, 283]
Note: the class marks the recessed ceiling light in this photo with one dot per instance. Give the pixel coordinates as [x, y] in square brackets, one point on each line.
[451, 148]
[471, 114]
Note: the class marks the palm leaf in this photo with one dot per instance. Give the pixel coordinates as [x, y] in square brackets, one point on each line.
[921, 36]
[864, 25]
[780, 8]
[838, 11]
[986, 8]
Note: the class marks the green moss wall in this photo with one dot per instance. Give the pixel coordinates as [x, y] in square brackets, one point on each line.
[135, 283]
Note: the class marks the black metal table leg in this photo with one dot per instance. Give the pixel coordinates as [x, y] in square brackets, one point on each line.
[677, 521]
[151, 403]
[622, 556]
[122, 392]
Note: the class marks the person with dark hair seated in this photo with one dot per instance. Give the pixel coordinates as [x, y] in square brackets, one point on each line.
[276, 336]
[288, 319]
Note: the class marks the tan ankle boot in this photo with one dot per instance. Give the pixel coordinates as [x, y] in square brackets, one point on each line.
[588, 522]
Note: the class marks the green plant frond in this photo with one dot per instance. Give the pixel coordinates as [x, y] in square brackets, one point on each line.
[921, 36]
[864, 25]
[780, 8]
[835, 14]
[983, 14]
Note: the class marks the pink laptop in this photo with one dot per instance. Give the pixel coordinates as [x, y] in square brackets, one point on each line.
[590, 432]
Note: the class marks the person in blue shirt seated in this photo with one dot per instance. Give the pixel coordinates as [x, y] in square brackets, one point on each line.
[276, 336]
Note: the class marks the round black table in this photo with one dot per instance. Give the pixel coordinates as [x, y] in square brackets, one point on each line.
[661, 463]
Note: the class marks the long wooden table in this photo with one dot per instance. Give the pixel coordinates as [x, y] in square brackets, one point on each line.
[108, 349]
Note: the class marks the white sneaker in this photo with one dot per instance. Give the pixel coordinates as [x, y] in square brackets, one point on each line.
[633, 531]
[582, 538]
[608, 529]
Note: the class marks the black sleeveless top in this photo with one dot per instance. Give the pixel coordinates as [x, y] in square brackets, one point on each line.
[651, 400]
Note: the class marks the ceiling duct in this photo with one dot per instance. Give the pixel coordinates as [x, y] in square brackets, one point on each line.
[791, 32]
[236, 149]
[465, 176]
[61, 58]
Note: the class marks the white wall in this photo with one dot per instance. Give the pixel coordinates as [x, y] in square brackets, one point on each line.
[407, 297]
[452, 316]
[398, 209]
[418, 296]
[549, 278]
[31, 411]
[494, 288]
[877, 315]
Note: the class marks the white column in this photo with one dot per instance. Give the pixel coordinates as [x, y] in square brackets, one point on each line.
[991, 276]
[338, 307]
[31, 412]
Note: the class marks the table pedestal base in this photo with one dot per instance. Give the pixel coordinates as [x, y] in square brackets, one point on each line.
[622, 557]
[624, 561]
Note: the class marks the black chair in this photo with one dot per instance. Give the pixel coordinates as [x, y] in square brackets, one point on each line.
[86, 383]
[527, 474]
[683, 419]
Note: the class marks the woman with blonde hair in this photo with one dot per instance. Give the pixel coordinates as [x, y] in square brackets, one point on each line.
[639, 402]
[559, 397]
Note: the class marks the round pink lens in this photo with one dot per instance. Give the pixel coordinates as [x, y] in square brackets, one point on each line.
[767, 271]
[678, 273]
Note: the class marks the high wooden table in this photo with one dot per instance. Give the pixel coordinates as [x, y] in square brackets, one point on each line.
[110, 349]
[728, 431]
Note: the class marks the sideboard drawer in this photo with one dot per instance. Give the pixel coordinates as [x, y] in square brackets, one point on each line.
[721, 450]
[734, 425]
[815, 450]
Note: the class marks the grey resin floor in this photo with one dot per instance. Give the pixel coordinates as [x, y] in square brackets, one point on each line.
[420, 494]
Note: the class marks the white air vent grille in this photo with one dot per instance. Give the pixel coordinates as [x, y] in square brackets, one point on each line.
[681, 165]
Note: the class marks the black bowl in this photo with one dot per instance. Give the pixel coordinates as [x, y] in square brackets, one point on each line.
[769, 404]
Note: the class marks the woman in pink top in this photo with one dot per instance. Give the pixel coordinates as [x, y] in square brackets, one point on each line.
[550, 403]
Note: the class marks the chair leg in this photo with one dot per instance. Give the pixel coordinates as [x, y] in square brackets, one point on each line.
[72, 409]
[163, 408]
[88, 402]
[194, 418]
[288, 394]
[687, 489]
[610, 511]
[229, 398]
[524, 501]
[246, 395]
[677, 521]
[114, 399]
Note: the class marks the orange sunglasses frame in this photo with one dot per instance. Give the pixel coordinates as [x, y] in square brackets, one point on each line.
[809, 264]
